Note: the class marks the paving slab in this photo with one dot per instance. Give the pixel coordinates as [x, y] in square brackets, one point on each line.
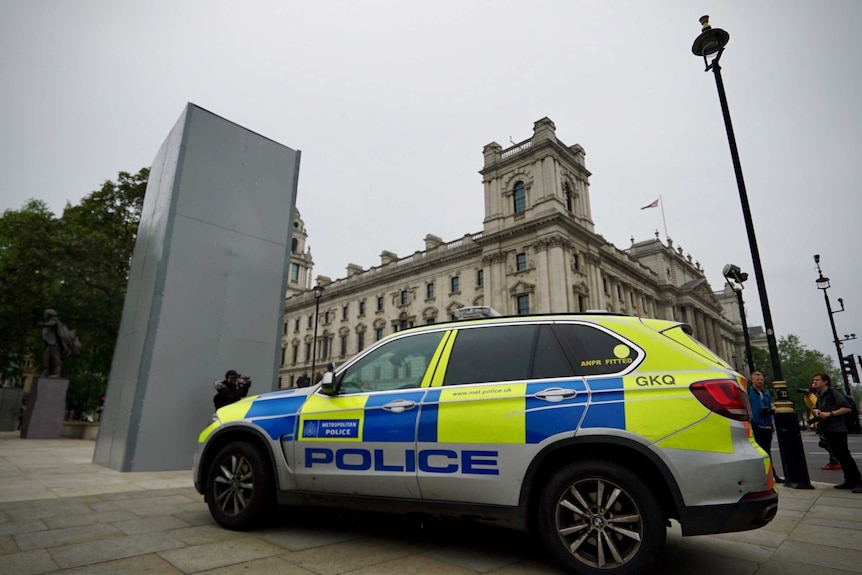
[66, 536]
[418, 565]
[8, 545]
[29, 563]
[95, 552]
[220, 554]
[353, 555]
[270, 565]
[150, 564]
[817, 558]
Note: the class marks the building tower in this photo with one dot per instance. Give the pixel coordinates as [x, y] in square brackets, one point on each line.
[301, 262]
[538, 224]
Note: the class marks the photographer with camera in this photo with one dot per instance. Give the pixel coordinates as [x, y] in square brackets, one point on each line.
[230, 389]
[761, 417]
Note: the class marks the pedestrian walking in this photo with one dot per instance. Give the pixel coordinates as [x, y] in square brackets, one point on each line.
[810, 401]
[831, 406]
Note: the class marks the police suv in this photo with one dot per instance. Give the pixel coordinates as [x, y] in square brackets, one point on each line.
[588, 430]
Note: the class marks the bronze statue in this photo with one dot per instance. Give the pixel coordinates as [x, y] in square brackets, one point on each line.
[59, 341]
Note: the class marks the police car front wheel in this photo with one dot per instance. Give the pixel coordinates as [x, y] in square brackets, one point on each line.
[239, 487]
[599, 517]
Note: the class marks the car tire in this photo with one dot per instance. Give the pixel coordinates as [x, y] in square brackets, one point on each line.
[597, 517]
[239, 487]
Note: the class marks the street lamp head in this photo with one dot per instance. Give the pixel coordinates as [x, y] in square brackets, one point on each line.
[732, 272]
[822, 282]
[816, 258]
[710, 41]
[318, 291]
[841, 301]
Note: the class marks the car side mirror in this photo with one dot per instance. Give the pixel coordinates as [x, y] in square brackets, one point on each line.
[327, 384]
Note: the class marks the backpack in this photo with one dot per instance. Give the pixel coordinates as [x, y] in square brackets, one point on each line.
[851, 420]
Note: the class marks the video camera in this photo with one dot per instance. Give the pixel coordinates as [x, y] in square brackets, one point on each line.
[804, 390]
[767, 410]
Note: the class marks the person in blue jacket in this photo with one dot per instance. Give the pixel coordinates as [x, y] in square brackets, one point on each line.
[762, 424]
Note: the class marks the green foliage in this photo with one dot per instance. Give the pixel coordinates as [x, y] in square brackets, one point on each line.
[78, 265]
[28, 276]
[798, 365]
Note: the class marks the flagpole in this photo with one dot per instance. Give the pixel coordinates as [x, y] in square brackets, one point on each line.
[661, 203]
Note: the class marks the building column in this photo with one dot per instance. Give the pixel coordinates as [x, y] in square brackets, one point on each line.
[716, 335]
[700, 330]
[559, 282]
[495, 283]
[710, 330]
[593, 270]
[544, 282]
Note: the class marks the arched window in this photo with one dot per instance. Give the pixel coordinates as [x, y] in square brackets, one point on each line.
[519, 197]
[567, 191]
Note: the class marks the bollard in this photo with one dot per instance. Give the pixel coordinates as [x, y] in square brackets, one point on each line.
[789, 440]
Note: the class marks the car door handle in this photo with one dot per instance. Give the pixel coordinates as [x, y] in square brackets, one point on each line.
[399, 405]
[555, 394]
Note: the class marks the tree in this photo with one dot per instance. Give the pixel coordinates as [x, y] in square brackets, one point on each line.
[29, 262]
[99, 238]
[798, 365]
[78, 265]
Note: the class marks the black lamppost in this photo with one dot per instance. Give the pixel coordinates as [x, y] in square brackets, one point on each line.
[711, 43]
[823, 284]
[735, 277]
[710, 46]
[318, 291]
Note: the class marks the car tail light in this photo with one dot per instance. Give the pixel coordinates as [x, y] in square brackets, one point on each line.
[724, 397]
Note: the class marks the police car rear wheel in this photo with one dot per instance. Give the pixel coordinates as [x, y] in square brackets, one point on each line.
[240, 487]
[598, 517]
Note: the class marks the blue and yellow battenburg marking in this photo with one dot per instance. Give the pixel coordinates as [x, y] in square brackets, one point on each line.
[275, 413]
[512, 413]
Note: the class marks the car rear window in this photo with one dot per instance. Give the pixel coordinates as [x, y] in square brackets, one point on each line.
[485, 354]
[596, 352]
[506, 353]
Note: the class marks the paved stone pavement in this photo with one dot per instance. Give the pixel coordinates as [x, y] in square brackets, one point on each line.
[60, 513]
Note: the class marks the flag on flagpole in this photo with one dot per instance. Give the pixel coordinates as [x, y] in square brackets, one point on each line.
[652, 205]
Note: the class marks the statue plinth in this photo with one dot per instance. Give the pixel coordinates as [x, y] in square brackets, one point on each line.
[43, 418]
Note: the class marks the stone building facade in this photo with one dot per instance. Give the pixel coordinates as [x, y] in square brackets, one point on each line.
[537, 252]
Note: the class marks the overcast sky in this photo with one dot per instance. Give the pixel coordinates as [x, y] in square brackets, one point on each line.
[392, 102]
